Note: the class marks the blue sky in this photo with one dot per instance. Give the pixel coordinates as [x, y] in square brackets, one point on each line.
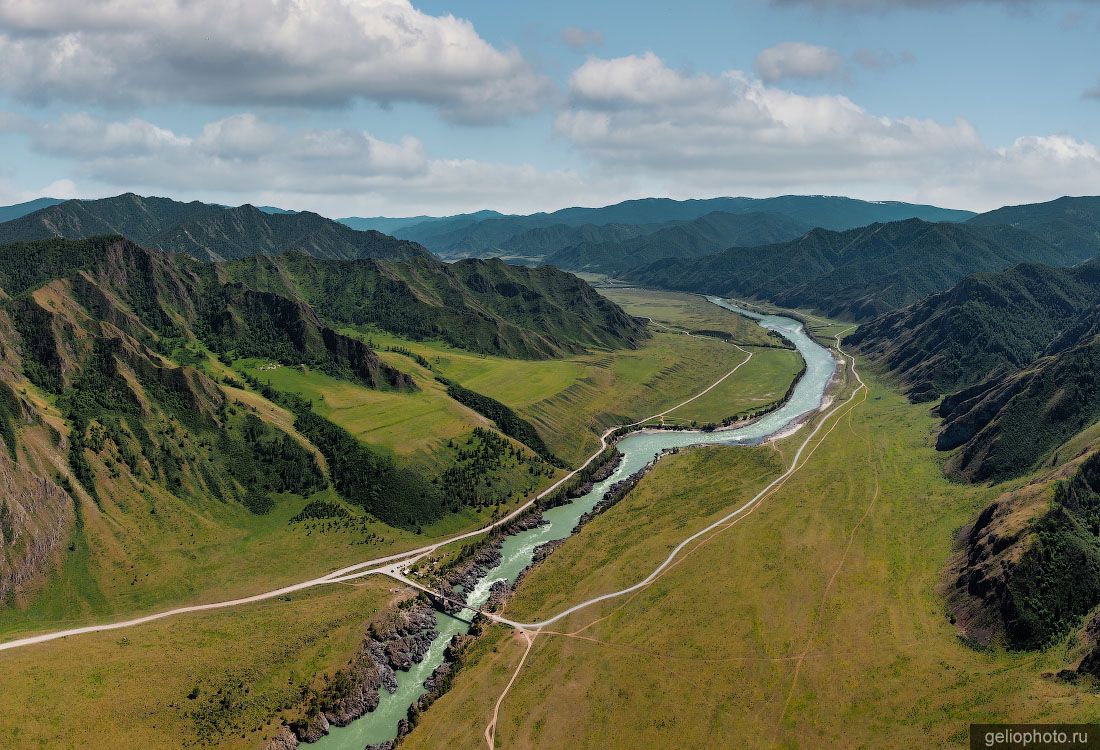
[385, 107]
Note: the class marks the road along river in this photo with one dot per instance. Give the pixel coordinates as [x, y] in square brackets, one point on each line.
[639, 449]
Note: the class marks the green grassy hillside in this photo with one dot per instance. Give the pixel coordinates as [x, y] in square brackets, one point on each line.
[482, 306]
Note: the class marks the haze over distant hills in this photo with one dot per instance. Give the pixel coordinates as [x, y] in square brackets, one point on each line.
[390, 225]
[703, 236]
[7, 213]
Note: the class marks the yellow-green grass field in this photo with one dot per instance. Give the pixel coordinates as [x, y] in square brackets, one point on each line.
[763, 380]
[413, 427]
[572, 401]
[814, 622]
[685, 312]
[211, 679]
[134, 561]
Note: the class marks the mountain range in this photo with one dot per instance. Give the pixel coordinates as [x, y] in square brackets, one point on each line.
[987, 324]
[703, 236]
[484, 306]
[110, 397]
[865, 272]
[479, 235]
[856, 274]
[206, 231]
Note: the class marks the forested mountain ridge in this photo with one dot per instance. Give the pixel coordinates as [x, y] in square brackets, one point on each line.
[1005, 425]
[465, 236]
[703, 236]
[986, 324]
[484, 306]
[1070, 223]
[856, 274]
[206, 231]
[544, 243]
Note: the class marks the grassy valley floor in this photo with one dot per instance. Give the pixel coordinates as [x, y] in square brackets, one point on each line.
[152, 551]
[214, 679]
[199, 680]
[814, 622]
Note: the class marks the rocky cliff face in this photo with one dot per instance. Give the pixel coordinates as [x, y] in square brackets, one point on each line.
[36, 517]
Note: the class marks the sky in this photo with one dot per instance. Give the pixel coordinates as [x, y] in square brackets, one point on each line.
[388, 107]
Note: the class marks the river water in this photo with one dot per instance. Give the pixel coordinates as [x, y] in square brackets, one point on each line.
[638, 449]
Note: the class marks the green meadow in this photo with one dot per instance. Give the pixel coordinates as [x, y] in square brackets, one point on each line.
[211, 679]
[813, 622]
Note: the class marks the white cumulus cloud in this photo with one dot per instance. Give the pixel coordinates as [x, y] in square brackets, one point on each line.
[731, 133]
[245, 158]
[266, 52]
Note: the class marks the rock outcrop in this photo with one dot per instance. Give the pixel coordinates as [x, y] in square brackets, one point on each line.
[35, 518]
[396, 641]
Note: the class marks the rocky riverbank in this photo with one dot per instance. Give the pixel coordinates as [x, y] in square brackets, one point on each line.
[395, 641]
[617, 492]
[456, 583]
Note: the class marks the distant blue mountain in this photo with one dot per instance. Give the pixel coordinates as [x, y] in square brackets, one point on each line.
[389, 225]
[7, 213]
[483, 235]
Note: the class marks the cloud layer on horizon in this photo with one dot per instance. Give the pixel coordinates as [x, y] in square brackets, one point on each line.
[250, 159]
[635, 115]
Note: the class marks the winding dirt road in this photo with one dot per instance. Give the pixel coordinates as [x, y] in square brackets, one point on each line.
[530, 631]
[369, 567]
[748, 505]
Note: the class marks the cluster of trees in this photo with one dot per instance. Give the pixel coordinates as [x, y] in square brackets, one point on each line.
[569, 489]
[507, 421]
[399, 496]
[9, 413]
[272, 462]
[420, 360]
[469, 481]
[97, 392]
[319, 510]
[1056, 582]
